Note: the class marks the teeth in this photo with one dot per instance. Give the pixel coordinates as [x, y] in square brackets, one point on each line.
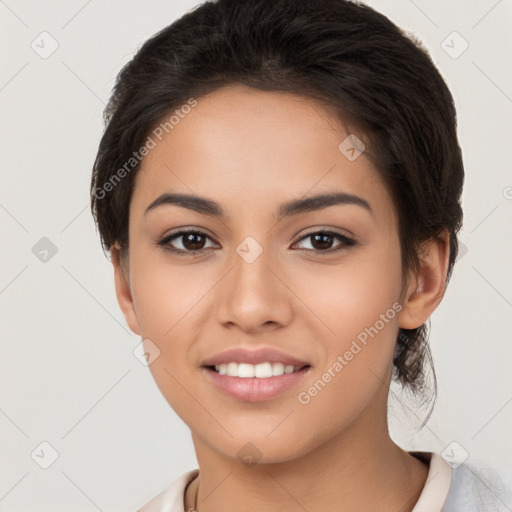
[259, 371]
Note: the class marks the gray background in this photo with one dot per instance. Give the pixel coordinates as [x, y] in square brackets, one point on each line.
[68, 374]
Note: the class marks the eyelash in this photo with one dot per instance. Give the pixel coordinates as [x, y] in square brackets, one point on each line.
[347, 242]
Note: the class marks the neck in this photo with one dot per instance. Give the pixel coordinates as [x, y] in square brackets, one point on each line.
[359, 469]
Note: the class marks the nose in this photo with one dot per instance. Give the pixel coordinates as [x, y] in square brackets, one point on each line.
[254, 295]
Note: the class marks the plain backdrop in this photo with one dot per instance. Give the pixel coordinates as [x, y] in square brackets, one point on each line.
[83, 426]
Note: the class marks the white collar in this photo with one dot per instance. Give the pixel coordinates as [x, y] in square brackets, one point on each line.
[439, 478]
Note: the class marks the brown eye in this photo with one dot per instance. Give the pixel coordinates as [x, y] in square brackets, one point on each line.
[185, 242]
[322, 241]
[193, 241]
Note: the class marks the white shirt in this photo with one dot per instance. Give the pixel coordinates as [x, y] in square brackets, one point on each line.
[446, 489]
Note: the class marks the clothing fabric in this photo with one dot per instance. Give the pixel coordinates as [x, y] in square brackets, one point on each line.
[447, 489]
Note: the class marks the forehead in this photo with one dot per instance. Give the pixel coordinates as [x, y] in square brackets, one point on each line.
[247, 148]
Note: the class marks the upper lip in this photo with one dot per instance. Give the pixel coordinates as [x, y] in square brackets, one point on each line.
[261, 355]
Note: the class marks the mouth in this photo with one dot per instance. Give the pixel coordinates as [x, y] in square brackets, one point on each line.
[265, 370]
[255, 383]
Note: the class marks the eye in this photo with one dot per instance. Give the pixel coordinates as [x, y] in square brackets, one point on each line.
[191, 242]
[321, 241]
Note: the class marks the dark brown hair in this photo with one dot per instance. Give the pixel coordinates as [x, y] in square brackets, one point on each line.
[380, 80]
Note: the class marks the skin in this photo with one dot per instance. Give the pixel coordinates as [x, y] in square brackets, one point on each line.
[251, 151]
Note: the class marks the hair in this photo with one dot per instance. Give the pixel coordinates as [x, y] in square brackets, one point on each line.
[379, 79]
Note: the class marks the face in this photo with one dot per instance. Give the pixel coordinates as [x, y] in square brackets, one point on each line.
[263, 275]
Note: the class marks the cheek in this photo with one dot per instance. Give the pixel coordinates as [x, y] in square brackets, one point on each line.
[352, 296]
[164, 299]
[358, 359]
[359, 306]
[342, 310]
[163, 294]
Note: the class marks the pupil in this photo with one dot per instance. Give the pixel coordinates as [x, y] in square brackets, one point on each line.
[192, 239]
[325, 244]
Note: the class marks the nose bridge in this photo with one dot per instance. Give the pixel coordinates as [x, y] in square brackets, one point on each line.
[253, 294]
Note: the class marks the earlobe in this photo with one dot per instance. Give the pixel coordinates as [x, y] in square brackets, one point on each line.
[123, 291]
[426, 288]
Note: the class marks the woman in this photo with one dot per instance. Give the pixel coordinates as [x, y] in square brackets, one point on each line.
[278, 186]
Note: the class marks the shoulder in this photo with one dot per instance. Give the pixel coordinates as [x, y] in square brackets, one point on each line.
[460, 488]
[473, 491]
[171, 498]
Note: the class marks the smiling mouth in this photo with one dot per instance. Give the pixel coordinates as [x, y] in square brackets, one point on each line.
[264, 370]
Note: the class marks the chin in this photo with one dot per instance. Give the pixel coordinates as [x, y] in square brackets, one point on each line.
[257, 450]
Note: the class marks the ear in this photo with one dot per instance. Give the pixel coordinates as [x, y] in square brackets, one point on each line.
[123, 292]
[426, 287]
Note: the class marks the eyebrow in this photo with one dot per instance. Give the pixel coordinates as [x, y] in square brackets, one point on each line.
[297, 206]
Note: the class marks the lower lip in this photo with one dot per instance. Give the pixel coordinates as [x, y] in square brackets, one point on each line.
[255, 389]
